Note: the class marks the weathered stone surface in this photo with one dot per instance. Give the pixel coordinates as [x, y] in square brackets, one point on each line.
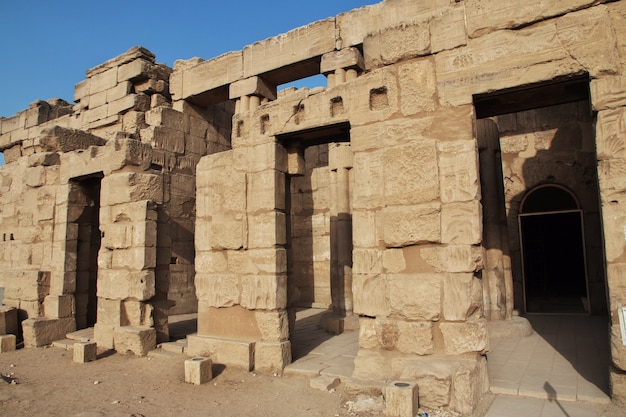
[401, 399]
[415, 182]
[41, 331]
[453, 258]
[409, 225]
[8, 320]
[398, 43]
[462, 297]
[470, 336]
[7, 343]
[136, 340]
[198, 370]
[84, 352]
[461, 223]
[415, 296]
[370, 299]
[26, 285]
[272, 356]
[229, 352]
[297, 45]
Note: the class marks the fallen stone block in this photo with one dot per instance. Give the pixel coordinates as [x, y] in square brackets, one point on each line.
[198, 370]
[7, 343]
[85, 352]
[401, 399]
[134, 339]
[8, 320]
[44, 331]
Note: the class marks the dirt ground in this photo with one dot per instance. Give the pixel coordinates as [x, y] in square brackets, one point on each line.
[49, 383]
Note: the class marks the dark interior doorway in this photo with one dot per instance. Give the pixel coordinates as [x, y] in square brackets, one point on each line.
[553, 253]
[86, 204]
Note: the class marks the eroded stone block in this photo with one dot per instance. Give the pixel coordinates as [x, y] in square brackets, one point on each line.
[132, 339]
[198, 370]
[85, 352]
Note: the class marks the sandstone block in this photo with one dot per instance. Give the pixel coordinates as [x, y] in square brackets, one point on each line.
[132, 339]
[273, 325]
[103, 335]
[7, 343]
[453, 258]
[85, 352]
[462, 296]
[297, 45]
[470, 336]
[618, 350]
[410, 225]
[103, 81]
[26, 285]
[447, 29]
[401, 399]
[415, 338]
[418, 87]
[369, 294]
[121, 284]
[198, 370]
[367, 333]
[266, 230]
[59, 306]
[252, 86]
[208, 76]
[229, 352]
[127, 187]
[218, 290]
[461, 223]
[264, 292]
[61, 139]
[398, 43]
[43, 331]
[415, 182]
[223, 233]
[618, 385]
[8, 320]
[348, 58]
[81, 90]
[166, 117]
[272, 356]
[415, 296]
[109, 312]
[458, 171]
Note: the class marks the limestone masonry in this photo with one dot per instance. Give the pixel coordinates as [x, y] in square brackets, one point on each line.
[465, 163]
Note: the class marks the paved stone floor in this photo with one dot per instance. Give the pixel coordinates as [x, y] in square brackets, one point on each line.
[560, 370]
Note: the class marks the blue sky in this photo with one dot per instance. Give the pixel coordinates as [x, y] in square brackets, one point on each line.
[46, 46]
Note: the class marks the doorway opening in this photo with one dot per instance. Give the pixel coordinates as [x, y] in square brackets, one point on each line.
[319, 236]
[84, 207]
[553, 252]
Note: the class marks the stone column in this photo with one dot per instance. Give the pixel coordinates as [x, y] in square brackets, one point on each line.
[498, 280]
[342, 66]
[340, 161]
[250, 93]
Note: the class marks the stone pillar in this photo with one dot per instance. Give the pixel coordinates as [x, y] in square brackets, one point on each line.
[250, 93]
[498, 279]
[341, 66]
[340, 161]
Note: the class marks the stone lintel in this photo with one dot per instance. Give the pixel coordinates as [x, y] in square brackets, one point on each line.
[349, 58]
[252, 86]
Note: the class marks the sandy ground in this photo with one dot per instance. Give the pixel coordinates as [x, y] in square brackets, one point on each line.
[51, 384]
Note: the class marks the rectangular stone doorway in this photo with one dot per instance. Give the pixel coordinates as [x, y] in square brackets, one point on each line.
[84, 213]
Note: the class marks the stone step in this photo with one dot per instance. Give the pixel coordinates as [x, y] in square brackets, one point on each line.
[178, 346]
[83, 335]
[67, 344]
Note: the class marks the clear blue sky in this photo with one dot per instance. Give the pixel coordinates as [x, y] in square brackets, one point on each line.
[46, 46]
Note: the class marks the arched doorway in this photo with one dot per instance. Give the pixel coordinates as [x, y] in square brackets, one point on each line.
[553, 254]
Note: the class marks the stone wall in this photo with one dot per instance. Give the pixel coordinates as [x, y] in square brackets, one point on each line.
[396, 221]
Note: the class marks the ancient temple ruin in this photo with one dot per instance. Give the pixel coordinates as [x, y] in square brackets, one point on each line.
[466, 161]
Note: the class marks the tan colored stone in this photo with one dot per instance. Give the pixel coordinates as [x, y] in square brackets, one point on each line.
[7, 343]
[470, 336]
[297, 45]
[462, 297]
[409, 225]
[264, 292]
[394, 44]
[273, 325]
[198, 370]
[415, 338]
[8, 320]
[136, 340]
[120, 284]
[42, 331]
[228, 352]
[453, 258]
[272, 356]
[416, 181]
[369, 295]
[415, 296]
[461, 223]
